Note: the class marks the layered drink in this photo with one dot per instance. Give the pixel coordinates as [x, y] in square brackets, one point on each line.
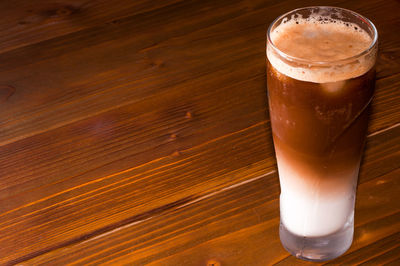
[320, 77]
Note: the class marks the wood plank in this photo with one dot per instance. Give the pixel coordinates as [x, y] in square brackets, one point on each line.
[236, 226]
[108, 202]
[389, 102]
[99, 68]
[104, 138]
[91, 72]
[108, 124]
[25, 22]
[127, 137]
[380, 252]
[390, 257]
[385, 105]
[381, 155]
[62, 216]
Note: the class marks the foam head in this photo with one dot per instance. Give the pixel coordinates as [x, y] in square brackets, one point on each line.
[318, 46]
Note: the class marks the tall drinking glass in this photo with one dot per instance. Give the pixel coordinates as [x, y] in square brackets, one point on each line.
[320, 77]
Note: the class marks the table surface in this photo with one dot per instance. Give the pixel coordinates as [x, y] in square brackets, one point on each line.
[137, 132]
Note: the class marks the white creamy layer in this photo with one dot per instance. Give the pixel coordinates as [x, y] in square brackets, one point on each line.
[308, 208]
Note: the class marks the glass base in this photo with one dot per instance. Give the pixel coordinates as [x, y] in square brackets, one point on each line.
[317, 248]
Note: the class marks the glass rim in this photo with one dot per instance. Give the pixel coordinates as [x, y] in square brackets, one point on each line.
[321, 63]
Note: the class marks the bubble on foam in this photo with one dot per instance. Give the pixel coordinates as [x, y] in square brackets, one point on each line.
[316, 24]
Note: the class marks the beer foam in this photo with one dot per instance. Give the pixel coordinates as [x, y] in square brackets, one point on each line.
[320, 39]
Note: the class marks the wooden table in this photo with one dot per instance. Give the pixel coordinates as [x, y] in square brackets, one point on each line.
[136, 132]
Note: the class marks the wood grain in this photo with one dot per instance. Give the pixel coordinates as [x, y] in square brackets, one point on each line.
[137, 132]
[181, 238]
[86, 72]
[25, 23]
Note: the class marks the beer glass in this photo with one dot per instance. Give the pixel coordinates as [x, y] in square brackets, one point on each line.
[320, 79]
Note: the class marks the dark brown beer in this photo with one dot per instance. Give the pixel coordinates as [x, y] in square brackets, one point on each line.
[319, 133]
[320, 85]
